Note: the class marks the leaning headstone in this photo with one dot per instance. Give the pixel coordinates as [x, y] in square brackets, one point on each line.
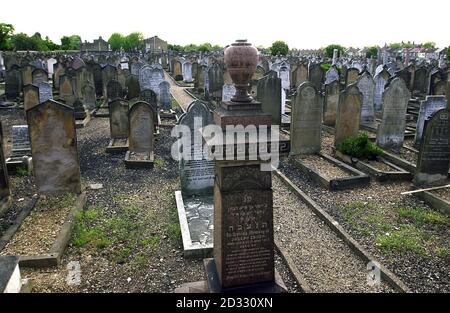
[30, 96]
[348, 114]
[391, 130]
[366, 85]
[434, 153]
[52, 132]
[269, 94]
[427, 107]
[331, 102]
[45, 92]
[306, 120]
[141, 137]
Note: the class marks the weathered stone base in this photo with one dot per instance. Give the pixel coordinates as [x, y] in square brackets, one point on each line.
[191, 249]
[101, 112]
[116, 146]
[214, 286]
[136, 164]
[12, 164]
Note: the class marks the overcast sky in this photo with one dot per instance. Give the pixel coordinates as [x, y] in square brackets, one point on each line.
[302, 24]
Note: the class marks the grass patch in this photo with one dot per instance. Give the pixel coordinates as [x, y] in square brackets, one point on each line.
[21, 172]
[159, 163]
[86, 233]
[414, 230]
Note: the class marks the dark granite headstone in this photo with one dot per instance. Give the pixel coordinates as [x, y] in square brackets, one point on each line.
[165, 99]
[434, 153]
[114, 90]
[13, 84]
[427, 107]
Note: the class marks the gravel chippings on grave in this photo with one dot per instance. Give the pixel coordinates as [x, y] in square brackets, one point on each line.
[324, 167]
[38, 232]
[22, 187]
[326, 261]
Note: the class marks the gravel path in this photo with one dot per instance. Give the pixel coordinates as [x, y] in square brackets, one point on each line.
[178, 93]
[327, 262]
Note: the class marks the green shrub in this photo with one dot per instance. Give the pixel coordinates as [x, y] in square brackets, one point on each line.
[360, 147]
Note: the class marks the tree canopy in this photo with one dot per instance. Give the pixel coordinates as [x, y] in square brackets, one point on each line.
[70, 42]
[372, 52]
[330, 49]
[204, 47]
[279, 48]
[6, 33]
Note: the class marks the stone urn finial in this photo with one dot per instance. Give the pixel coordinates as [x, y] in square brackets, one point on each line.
[241, 59]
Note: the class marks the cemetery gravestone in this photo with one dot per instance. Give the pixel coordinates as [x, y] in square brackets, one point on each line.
[331, 103]
[228, 92]
[39, 75]
[197, 173]
[381, 79]
[391, 130]
[45, 92]
[434, 153]
[427, 107]
[13, 84]
[269, 94]
[165, 100]
[54, 148]
[316, 76]
[366, 86]
[348, 114]
[89, 97]
[133, 87]
[30, 96]
[351, 76]
[306, 120]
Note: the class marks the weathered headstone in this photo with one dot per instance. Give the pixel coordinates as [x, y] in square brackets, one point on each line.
[187, 72]
[54, 148]
[331, 102]
[366, 85]
[30, 96]
[306, 120]
[39, 75]
[331, 75]
[284, 76]
[197, 173]
[381, 78]
[351, 76]
[427, 107]
[215, 81]
[13, 84]
[141, 137]
[66, 92]
[118, 119]
[316, 76]
[114, 90]
[165, 98]
[348, 114]
[269, 94]
[391, 130]
[45, 92]
[89, 96]
[228, 92]
[434, 153]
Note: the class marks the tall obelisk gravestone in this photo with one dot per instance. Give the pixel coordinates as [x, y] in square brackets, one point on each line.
[243, 201]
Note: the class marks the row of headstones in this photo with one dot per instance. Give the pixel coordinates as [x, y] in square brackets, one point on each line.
[432, 132]
[52, 136]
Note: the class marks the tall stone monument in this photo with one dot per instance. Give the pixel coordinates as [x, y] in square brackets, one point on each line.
[243, 201]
